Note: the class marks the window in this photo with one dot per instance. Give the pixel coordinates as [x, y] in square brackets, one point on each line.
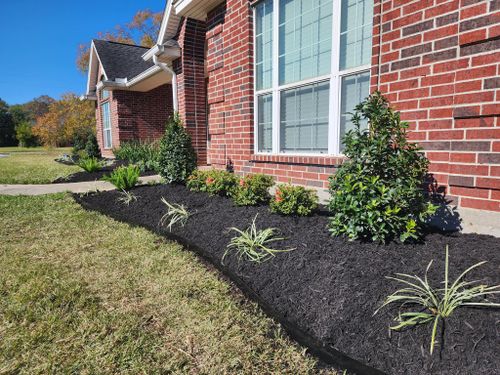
[104, 94]
[312, 66]
[106, 125]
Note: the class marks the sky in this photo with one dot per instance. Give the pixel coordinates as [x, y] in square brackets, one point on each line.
[40, 41]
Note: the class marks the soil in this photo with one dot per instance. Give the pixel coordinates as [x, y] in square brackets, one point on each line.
[86, 176]
[326, 291]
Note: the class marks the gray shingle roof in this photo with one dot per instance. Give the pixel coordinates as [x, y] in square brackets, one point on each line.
[121, 60]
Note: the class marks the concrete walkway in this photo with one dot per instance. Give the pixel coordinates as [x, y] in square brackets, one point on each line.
[73, 187]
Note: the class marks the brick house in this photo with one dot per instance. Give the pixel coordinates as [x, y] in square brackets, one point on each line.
[266, 85]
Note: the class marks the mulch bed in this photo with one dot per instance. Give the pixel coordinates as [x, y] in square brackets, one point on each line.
[326, 291]
[85, 176]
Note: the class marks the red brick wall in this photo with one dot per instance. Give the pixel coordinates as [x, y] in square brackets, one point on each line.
[190, 70]
[135, 115]
[143, 115]
[440, 66]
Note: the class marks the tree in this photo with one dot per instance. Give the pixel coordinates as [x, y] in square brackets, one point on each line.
[65, 118]
[142, 30]
[7, 129]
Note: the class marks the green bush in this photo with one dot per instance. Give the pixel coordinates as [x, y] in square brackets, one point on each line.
[378, 194]
[177, 158]
[213, 182]
[252, 190]
[90, 164]
[294, 200]
[144, 154]
[85, 145]
[124, 178]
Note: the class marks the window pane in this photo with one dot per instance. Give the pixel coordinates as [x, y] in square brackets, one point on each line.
[356, 33]
[304, 119]
[265, 123]
[305, 39]
[264, 44]
[355, 89]
[104, 94]
[106, 125]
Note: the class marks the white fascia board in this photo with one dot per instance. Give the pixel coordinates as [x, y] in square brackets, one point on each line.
[94, 64]
[164, 22]
[146, 74]
[150, 53]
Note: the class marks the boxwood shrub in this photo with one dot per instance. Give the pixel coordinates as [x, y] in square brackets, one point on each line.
[378, 194]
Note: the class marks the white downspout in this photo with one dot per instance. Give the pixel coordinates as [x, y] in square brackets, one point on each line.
[169, 70]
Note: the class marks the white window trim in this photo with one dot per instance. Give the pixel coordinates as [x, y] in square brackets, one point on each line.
[335, 78]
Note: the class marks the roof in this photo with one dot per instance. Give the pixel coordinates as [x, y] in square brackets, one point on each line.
[121, 60]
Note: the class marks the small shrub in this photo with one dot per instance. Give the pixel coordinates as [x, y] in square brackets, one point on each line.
[144, 154]
[85, 145]
[213, 182]
[252, 190]
[294, 200]
[253, 244]
[176, 213]
[378, 194]
[124, 178]
[90, 164]
[432, 304]
[177, 158]
[92, 147]
[127, 197]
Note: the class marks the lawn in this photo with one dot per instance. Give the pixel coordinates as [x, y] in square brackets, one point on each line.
[32, 165]
[82, 293]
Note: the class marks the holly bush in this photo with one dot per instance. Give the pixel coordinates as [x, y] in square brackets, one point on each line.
[378, 193]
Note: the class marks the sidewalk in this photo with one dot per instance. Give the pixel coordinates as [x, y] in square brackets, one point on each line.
[73, 187]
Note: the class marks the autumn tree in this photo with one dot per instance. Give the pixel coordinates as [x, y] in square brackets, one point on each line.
[142, 30]
[65, 118]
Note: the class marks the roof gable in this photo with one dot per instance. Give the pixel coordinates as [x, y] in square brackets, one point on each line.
[121, 61]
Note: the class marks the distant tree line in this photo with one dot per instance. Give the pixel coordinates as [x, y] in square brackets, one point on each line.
[45, 121]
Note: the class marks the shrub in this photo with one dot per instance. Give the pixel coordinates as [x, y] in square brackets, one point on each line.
[253, 244]
[177, 158]
[212, 182]
[124, 178]
[85, 145]
[294, 200]
[432, 304]
[378, 194]
[252, 190]
[92, 147]
[144, 154]
[90, 164]
[176, 213]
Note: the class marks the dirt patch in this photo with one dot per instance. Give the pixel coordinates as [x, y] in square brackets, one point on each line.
[85, 176]
[326, 291]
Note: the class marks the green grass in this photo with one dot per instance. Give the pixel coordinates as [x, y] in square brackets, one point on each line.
[82, 293]
[33, 165]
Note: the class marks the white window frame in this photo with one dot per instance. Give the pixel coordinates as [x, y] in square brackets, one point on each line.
[335, 78]
[104, 129]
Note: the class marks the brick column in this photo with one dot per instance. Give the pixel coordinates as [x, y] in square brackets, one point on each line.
[190, 69]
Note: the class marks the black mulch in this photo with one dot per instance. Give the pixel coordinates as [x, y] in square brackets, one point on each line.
[328, 288]
[86, 176]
